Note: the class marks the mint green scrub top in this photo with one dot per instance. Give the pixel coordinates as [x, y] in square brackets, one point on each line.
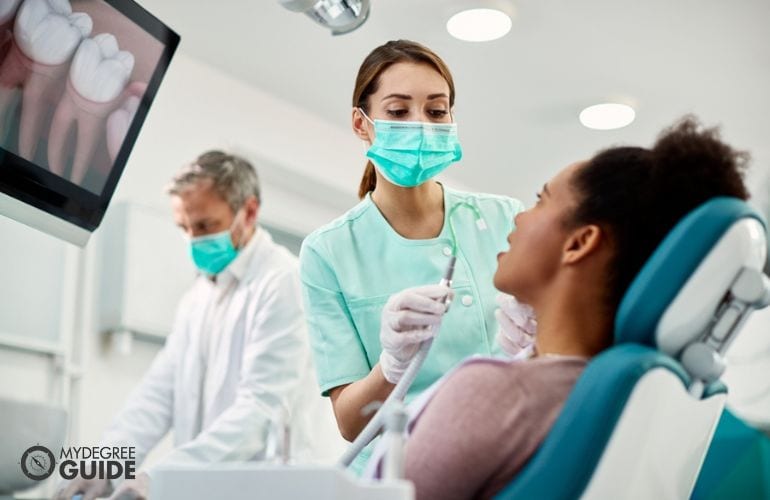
[351, 266]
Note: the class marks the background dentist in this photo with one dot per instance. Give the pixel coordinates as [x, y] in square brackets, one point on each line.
[238, 355]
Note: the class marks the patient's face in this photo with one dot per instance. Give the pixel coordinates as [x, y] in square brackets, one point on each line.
[536, 246]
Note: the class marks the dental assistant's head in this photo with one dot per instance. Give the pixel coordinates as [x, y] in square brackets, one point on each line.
[597, 222]
[401, 81]
[215, 201]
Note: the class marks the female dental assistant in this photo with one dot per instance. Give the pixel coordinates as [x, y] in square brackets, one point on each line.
[369, 276]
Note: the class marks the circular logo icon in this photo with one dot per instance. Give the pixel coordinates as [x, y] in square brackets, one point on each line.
[37, 463]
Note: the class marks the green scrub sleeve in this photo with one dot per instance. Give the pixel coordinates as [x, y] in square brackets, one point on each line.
[338, 353]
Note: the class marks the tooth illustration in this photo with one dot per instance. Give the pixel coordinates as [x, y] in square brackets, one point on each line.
[7, 11]
[99, 70]
[118, 123]
[96, 87]
[46, 34]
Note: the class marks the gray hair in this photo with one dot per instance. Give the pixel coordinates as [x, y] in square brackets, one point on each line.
[234, 178]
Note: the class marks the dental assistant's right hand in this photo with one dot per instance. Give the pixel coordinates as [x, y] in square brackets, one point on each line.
[88, 488]
[408, 318]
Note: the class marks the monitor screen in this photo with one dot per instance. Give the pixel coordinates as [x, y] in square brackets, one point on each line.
[76, 81]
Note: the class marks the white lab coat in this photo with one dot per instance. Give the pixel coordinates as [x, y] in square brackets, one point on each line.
[263, 365]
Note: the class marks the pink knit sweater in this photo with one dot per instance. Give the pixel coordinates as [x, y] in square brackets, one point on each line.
[484, 423]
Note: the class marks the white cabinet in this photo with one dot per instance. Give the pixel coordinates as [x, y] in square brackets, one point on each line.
[32, 283]
[144, 269]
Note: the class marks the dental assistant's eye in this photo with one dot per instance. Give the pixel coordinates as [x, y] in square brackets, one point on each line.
[397, 112]
[438, 113]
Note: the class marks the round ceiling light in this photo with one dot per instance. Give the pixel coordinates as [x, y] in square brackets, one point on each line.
[607, 116]
[479, 25]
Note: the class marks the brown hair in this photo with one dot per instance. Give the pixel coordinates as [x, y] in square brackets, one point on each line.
[368, 81]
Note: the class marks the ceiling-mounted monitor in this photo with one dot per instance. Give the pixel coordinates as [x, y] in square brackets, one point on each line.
[76, 81]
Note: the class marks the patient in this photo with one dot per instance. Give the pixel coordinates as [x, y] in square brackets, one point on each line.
[571, 257]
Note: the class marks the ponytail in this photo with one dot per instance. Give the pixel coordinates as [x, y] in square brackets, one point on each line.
[368, 181]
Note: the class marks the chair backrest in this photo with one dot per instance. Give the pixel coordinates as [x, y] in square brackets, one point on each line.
[668, 304]
[631, 426]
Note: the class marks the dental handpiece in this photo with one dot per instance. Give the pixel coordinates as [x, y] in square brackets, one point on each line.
[375, 424]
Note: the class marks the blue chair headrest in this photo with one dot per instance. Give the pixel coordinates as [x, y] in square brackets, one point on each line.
[671, 266]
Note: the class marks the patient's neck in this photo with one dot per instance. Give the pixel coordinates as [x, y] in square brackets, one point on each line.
[572, 321]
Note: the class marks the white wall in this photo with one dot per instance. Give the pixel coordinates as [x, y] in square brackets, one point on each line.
[199, 108]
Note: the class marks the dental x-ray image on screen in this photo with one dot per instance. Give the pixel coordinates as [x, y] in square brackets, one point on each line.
[76, 80]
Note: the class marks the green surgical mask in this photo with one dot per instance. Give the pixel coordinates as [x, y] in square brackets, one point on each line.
[213, 252]
[410, 153]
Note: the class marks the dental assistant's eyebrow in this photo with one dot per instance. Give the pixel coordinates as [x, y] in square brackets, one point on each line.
[408, 97]
[397, 96]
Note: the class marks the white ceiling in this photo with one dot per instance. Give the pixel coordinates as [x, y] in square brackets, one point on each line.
[517, 97]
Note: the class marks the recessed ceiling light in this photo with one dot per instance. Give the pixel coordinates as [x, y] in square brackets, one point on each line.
[479, 25]
[607, 116]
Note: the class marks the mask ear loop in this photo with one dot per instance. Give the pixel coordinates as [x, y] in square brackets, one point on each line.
[363, 113]
[361, 110]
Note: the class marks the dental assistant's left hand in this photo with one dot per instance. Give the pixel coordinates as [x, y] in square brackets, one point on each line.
[133, 489]
[517, 324]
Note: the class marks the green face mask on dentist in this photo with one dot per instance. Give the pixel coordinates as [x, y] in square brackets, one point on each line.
[410, 153]
[212, 253]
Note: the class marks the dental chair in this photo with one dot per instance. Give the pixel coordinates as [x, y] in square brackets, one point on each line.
[639, 420]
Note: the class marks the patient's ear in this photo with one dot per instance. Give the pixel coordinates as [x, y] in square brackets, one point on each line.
[581, 243]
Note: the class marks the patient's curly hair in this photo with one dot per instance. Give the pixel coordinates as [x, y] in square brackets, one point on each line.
[638, 195]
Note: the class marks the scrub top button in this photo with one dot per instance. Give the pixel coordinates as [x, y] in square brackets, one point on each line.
[467, 300]
[447, 251]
